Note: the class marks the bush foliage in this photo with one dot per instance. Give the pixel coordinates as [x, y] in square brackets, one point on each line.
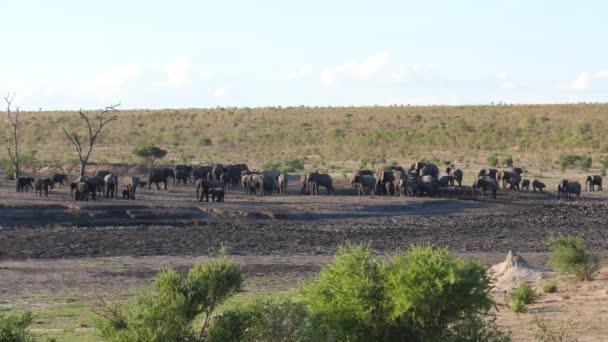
[13, 327]
[569, 255]
[521, 296]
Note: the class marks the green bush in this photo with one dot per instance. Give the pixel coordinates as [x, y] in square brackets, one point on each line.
[273, 318]
[569, 160]
[348, 295]
[521, 296]
[430, 290]
[13, 327]
[508, 161]
[290, 165]
[492, 160]
[569, 255]
[550, 288]
[167, 313]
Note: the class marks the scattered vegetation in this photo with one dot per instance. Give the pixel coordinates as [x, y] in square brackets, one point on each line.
[550, 288]
[521, 296]
[13, 327]
[149, 153]
[582, 161]
[570, 256]
[558, 333]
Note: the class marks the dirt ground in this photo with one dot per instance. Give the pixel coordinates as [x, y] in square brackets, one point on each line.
[57, 247]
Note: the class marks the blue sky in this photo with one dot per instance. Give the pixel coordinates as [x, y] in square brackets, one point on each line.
[173, 54]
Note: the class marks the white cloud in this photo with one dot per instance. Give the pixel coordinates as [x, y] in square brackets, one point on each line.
[299, 74]
[505, 81]
[355, 70]
[177, 73]
[405, 72]
[582, 81]
[219, 92]
[205, 76]
[602, 74]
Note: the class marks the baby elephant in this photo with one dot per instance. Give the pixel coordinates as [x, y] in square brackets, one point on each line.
[42, 184]
[525, 185]
[81, 191]
[125, 194]
[217, 194]
[538, 185]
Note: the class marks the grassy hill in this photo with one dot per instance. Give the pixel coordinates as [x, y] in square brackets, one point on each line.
[333, 137]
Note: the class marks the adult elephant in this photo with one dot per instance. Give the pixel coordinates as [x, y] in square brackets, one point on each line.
[385, 183]
[456, 176]
[132, 183]
[42, 185]
[592, 181]
[101, 174]
[232, 173]
[567, 188]
[505, 176]
[486, 183]
[203, 187]
[216, 171]
[282, 179]
[110, 185]
[201, 172]
[314, 180]
[94, 184]
[24, 184]
[488, 173]
[514, 182]
[363, 183]
[160, 175]
[364, 173]
[182, 173]
[60, 178]
[429, 185]
[409, 186]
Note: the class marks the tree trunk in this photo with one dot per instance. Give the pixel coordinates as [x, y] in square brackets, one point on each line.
[83, 165]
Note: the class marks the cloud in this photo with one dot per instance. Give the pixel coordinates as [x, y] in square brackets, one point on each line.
[110, 83]
[177, 73]
[602, 74]
[505, 81]
[355, 70]
[299, 74]
[219, 92]
[582, 81]
[405, 72]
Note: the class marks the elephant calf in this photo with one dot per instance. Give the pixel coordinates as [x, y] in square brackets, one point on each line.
[282, 179]
[24, 184]
[364, 182]
[60, 178]
[203, 189]
[456, 176]
[313, 180]
[538, 185]
[217, 194]
[110, 185]
[81, 191]
[525, 185]
[132, 183]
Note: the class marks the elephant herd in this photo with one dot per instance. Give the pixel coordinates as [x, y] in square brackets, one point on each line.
[420, 179]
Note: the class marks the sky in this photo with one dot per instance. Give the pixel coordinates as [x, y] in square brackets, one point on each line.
[182, 54]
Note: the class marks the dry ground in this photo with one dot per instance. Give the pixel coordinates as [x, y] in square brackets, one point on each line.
[59, 254]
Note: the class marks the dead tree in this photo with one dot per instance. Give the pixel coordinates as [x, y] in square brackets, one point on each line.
[94, 127]
[13, 119]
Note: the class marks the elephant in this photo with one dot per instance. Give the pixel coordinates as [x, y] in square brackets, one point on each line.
[456, 176]
[409, 186]
[42, 184]
[364, 182]
[125, 194]
[93, 183]
[60, 178]
[445, 181]
[101, 174]
[486, 183]
[430, 169]
[246, 181]
[160, 175]
[525, 185]
[488, 173]
[505, 176]
[203, 187]
[315, 180]
[217, 194]
[283, 180]
[514, 182]
[592, 181]
[110, 185]
[232, 173]
[216, 171]
[81, 191]
[429, 185]
[416, 167]
[538, 185]
[24, 184]
[201, 172]
[567, 188]
[364, 173]
[384, 183]
[132, 183]
[182, 173]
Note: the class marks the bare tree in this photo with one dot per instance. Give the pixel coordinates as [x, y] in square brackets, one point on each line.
[94, 127]
[13, 119]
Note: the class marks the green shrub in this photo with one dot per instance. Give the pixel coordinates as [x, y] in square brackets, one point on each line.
[569, 255]
[603, 172]
[521, 296]
[274, 318]
[569, 160]
[167, 313]
[492, 160]
[550, 288]
[558, 333]
[348, 295]
[13, 327]
[508, 161]
[430, 289]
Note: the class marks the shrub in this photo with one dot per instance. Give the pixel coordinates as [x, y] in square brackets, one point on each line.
[521, 296]
[569, 255]
[550, 288]
[167, 313]
[508, 161]
[603, 172]
[13, 327]
[430, 290]
[275, 318]
[560, 332]
[568, 160]
[492, 160]
[348, 295]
